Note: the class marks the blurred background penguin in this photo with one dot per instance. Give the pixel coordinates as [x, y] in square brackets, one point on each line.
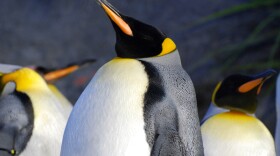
[33, 111]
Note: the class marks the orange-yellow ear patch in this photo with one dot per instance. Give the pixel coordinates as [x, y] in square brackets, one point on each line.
[168, 46]
[250, 85]
[118, 20]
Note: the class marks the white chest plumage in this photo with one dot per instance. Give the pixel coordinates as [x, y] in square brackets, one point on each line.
[234, 134]
[49, 124]
[108, 118]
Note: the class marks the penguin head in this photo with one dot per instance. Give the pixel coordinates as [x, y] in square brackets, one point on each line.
[24, 79]
[239, 92]
[135, 39]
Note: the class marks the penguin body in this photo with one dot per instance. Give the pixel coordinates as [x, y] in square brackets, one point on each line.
[48, 122]
[140, 103]
[174, 113]
[110, 118]
[237, 132]
[144, 114]
[66, 105]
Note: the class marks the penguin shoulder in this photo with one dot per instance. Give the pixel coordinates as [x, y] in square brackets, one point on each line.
[121, 70]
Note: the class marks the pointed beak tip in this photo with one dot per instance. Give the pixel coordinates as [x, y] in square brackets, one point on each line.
[273, 72]
[99, 2]
[116, 17]
[105, 5]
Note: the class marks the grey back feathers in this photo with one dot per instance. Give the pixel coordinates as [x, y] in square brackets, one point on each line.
[147, 104]
[16, 121]
[172, 123]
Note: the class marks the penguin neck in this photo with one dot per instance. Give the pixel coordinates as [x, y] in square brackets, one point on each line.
[170, 59]
[235, 112]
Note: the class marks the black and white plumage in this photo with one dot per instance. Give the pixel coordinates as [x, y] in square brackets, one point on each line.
[140, 103]
[32, 119]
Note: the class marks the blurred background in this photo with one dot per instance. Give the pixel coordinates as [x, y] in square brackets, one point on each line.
[215, 38]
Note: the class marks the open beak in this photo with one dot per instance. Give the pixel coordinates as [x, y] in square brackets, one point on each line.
[115, 17]
[256, 81]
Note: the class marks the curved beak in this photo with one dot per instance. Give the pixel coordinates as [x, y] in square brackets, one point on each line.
[115, 17]
[256, 81]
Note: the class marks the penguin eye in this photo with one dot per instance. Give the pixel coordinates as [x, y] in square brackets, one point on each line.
[12, 151]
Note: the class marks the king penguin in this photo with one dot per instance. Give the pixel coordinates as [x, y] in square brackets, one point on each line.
[31, 120]
[141, 103]
[277, 131]
[237, 132]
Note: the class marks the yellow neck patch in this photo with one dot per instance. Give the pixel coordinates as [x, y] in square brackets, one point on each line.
[235, 115]
[24, 79]
[168, 46]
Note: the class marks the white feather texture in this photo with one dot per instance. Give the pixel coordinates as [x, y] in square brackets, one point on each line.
[108, 118]
[49, 124]
[236, 134]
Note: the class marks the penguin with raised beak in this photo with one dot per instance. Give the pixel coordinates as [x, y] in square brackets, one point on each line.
[141, 103]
